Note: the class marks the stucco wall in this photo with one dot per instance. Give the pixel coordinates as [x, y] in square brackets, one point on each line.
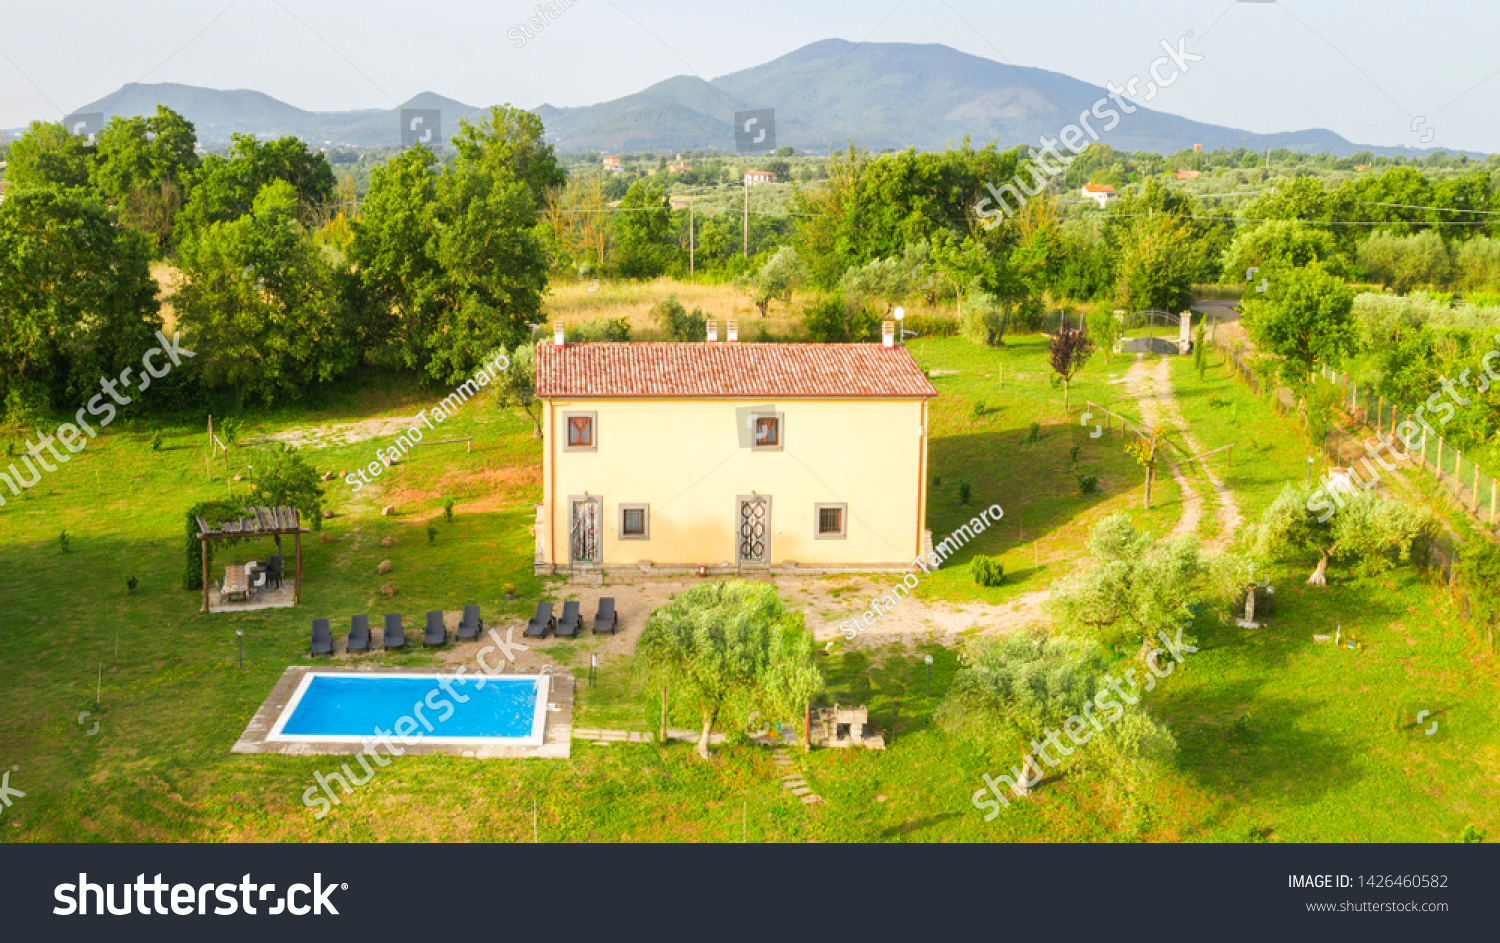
[689, 461]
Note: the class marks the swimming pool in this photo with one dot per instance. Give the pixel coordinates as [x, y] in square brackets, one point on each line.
[416, 708]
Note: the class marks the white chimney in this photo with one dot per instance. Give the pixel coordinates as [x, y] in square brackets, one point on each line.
[559, 337]
[888, 333]
[713, 331]
[734, 332]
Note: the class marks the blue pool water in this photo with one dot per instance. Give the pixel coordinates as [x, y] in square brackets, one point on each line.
[354, 707]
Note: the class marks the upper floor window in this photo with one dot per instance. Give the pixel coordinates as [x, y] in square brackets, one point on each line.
[581, 431]
[767, 427]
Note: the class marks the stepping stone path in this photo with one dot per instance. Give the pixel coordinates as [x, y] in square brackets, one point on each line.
[794, 782]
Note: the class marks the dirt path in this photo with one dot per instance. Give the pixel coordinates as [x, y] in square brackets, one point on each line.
[1151, 387]
[1227, 512]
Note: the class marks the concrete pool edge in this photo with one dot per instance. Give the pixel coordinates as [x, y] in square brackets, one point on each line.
[557, 736]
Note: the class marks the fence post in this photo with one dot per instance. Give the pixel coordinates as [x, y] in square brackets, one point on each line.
[1440, 460]
[1494, 499]
[1476, 488]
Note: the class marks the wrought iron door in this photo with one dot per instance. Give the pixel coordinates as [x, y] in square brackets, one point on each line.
[586, 531]
[755, 530]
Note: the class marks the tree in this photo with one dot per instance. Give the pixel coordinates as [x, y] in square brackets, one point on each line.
[48, 156]
[1279, 246]
[517, 387]
[287, 480]
[1306, 319]
[1137, 587]
[1144, 450]
[143, 154]
[1405, 262]
[1068, 352]
[1362, 526]
[718, 644]
[884, 282]
[1155, 267]
[1017, 687]
[261, 304]
[834, 321]
[225, 188]
[643, 232]
[77, 300]
[514, 140]
[775, 280]
[984, 320]
[1104, 327]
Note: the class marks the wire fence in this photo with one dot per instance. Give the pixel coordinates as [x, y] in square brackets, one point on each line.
[1470, 486]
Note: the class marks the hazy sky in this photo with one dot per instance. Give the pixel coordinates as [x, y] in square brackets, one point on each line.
[1366, 69]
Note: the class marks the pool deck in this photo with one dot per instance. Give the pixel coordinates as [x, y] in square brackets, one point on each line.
[557, 737]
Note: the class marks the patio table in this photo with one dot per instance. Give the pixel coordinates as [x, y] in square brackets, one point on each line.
[236, 585]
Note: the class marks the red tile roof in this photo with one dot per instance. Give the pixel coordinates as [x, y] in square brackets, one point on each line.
[722, 370]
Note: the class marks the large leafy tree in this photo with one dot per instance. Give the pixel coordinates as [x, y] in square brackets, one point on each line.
[142, 166]
[455, 260]
[261, 304]
[48, 156]
[1280, 245]
[1305, 318]
[644, 238]
[730, 648]
[1363, 527]
[77, 300]
[776, 279]
[512, 139]
[286, 479]
[225, 188]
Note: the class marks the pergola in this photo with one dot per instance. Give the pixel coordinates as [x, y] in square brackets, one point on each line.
[267, 522]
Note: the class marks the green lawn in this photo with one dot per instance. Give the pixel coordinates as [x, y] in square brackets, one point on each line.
[1278, 735]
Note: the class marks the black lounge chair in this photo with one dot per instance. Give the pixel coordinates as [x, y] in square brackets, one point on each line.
[436, 633]
[395, 635]
[568, 625]
[359, 634]
[472, 625]
[322, 638]
[274, 568]
[541, 623]
[604, 621]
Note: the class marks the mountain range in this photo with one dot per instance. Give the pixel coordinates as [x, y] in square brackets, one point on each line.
[878, 95]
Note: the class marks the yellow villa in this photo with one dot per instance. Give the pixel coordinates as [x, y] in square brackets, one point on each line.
[729, 457]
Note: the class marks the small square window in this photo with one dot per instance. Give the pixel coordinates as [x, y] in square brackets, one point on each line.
[635, 522]
[581, 432]
[832, 521]
[767, 428]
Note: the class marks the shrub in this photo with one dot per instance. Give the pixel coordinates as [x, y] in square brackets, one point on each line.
[1073, 453]
[988, 571]
[984, 320]
[964, 492]
[834, 321]
[1471, 835]
[977, 412]
[131, 583]
[1088, 484]
[431, 533]
[448, 510]
[213, 512]
[62, 542]
[156, 441]
[677, 324]
[615, 330]
[1034, 434]
[510, 589]
[930, 325]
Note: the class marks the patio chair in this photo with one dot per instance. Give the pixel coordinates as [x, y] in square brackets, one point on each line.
[322, 638]
[274, 568]
[604, 621]
[471, 625]
[395, 635]
[567, 626]
[541, 623]
[359, 634]
[437, 633]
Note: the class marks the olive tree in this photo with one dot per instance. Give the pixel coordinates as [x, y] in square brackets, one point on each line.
[730, 646]
[1367, 529]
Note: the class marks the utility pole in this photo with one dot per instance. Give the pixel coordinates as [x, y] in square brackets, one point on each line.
[692, 242]
[747, 216]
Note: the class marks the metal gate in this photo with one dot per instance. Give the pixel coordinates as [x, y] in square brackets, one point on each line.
[754, 530]
[585, 532]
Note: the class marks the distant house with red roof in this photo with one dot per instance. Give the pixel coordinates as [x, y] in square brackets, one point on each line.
[613, 163]
[1101, 193]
